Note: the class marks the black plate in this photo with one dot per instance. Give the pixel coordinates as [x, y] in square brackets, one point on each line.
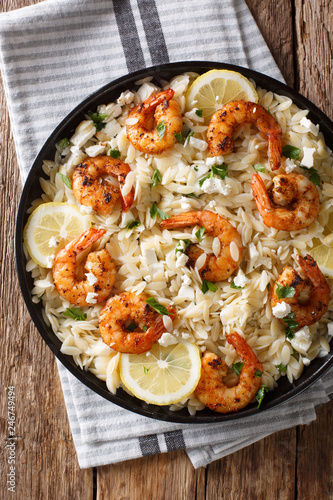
[32, 190]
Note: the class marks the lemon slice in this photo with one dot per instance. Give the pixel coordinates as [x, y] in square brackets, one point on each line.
[50, 227]
[164, 375]
[323, 253]
[217, 87]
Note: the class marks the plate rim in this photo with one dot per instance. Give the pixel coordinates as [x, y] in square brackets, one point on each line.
[142, 408]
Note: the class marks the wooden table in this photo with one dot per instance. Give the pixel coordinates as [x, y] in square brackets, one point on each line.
[295, 463]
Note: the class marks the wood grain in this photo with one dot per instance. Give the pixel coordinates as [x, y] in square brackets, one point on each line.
[287, 465]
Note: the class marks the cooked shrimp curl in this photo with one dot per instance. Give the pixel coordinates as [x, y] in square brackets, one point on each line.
[91, 189]
[151, 126]
[291, 204]
[231, 249]
[225, 121]
[311, 292]
[211, 390]
[127, 309]
[99, 266]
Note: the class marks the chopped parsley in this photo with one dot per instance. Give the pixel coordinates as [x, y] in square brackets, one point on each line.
[145, 328]
[221, 171]
[39, 298]
[161, 128]
[189, 135]
[258, 373]
[199, 234]
[114, 153]
[260, 395]
[75, 313]
[232, 285]
[198, 112]
[290, 151]
[157, 178]
[196, 168]
[284, 292]
[63, 143]
[154, 304]
[154, 210]
[66, 180]
[259, 168]
[314, 176]
[291, 325]
[146, 370]
[208, 285]
[98, 119]
[282, 367]
[179, 137]
[132, 224]
[192, 195]
[131, 327]
[237, 367]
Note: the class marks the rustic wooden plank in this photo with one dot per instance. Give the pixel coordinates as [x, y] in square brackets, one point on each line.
[265, 470]
[315, 456]
[46, 465]
[314, 30]
[275, 21]
[163, 477]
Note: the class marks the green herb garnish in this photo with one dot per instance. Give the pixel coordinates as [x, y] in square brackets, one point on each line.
[131, 327]
[75, 313]
[259, 168]
[63, 143]
[190, 134]
[232, 285]
[66, 180]
[258, 373]
[39, 298]
[179, 246]
[314, 176]
[98, 119]
[289, 320]
[208, 285]
[192, 195]
[154, 304]
[179, 137]
[157, 178]
[267, 286]
[284, 292]
[154, 210]
[132, 224]
[114, 153]
[146, 370]
[145, 328]
[198, 112]
[199, 234]
[221, 171]
[237, 367]
[290, 151]
[260, 395]
[196, 168]
[161, 128]
[282, 368]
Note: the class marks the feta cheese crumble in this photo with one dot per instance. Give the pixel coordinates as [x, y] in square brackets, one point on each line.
[91, 298]
[314, 129]
[181, 260]
[216, 185]
[167, 339]
[241, 280]
[91, 278]
[53, 243]
[302, 340]
[308, 157]
[289, 165]
[281, 310]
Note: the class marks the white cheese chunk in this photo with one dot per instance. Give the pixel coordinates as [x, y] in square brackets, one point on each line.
[214, 160]
[241, 279]
[308, 157]
[289, 165]
[91, 298]
[181, 260]
[91, 278]
[281, 310]
[216, 185]
[53, 243]
[314, 129]
[302, 340]
[167, 339]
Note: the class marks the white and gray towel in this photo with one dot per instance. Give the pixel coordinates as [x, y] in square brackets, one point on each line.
[52, 56]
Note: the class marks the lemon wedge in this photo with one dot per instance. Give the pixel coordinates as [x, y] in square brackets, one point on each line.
[323, 252]
[164, 375]
[50, 227]
[212, 90]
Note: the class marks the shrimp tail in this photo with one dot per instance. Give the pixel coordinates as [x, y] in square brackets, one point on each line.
[244, 351]
[261, 198]
[312, 271]
[182, 220]
[86, 239]
[274, 151]
[157, 99]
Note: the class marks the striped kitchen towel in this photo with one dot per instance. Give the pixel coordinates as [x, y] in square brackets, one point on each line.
[52, 56]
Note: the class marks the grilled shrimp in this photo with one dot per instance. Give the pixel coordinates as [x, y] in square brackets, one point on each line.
[127, 309]
[307, 310]
[225, 121]
[292, 203]
[100, 266]
[151, 126]
[211, 390]
[215, 268]
[92, 191]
